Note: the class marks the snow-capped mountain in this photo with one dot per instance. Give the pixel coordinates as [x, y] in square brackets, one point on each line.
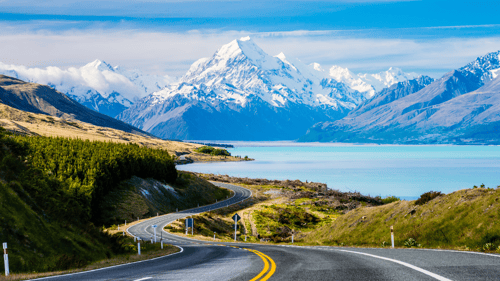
[461, 107]
[370, 83]
[243, 93]
[97, 85]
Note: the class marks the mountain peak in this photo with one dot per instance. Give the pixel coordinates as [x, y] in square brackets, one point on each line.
[100, 65]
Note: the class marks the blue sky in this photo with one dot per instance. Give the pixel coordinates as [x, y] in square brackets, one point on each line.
[165, 37]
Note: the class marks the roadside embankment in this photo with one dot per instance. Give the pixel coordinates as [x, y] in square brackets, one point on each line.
[466, 220]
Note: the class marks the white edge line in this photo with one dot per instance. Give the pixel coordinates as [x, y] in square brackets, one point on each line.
[438, 277]
[145, 278]
[104, 268]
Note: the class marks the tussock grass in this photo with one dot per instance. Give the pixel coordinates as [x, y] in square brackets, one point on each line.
[465, 219]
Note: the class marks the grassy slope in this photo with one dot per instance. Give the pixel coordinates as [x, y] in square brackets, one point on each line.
[130, 203]
[461, 220]
[28, 123]
[36, 244]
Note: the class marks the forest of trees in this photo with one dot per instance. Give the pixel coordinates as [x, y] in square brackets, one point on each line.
[80, 171]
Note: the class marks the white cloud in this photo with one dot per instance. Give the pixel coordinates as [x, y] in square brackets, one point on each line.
[172, 53]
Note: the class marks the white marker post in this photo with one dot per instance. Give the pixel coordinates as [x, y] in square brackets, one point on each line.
[392, 236]
[118, 227]
[154, 229]
[162, 244]
[139, 247]
[214, 235]
[6, 259]
[125, 223]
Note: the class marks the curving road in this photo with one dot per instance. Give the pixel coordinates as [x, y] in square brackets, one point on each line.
[200, 260]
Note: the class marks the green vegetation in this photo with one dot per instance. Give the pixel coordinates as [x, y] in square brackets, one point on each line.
[212, 151]
[390, 199]
[428, 196]
[49, 190]
[465, 219]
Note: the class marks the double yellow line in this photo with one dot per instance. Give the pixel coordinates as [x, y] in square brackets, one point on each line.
[267, 260]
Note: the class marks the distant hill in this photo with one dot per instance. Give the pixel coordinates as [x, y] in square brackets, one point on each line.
[43, 99]
[462, 107]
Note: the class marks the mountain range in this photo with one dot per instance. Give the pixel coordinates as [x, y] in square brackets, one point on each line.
[242, 93]
[42, 99]
[462, 107]
[97, 85]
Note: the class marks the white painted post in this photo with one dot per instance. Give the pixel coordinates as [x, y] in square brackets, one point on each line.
[162, 244]
[186, 229]
[235, 225]
[392, 236]
[214, 235]
[151, 239]
[157, 214]
[6, 259]
[125, 223]
[155, 233]
[118, 227]
[137, 218]
[139, 247]
[245, 238]
[123, 233]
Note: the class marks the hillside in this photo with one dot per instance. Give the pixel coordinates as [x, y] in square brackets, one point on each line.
[26, 123]
[465, 219]
[42, 99]
[57, 193]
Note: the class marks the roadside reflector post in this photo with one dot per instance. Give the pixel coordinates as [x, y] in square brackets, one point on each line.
[125, 223]
[6, 259]
[137, 218]
[157, 214]
[176, 209]
[236, 218]
[139, 247]
[162, 244]
[154, 229]
[214, 235]
[151, 239]
[123, 233]
[245, 238]
[118, 227]
[392, 236]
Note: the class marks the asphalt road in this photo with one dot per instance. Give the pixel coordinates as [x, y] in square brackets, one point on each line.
[200, 260]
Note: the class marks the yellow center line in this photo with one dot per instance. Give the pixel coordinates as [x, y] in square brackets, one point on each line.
[273, 268]
[264, 258]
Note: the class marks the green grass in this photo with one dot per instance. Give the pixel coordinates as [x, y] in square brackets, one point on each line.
[465, 219]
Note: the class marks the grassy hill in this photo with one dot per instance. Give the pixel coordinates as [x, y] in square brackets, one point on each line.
[55, 195]
[465, 219]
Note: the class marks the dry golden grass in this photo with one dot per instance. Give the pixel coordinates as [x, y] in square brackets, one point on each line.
[28, 123]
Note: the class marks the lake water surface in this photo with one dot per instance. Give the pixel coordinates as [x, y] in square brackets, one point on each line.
[403, 171]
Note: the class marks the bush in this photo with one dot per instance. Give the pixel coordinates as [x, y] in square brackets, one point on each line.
[410, 243]
[390, 199]
[428, 196]
[212, 151]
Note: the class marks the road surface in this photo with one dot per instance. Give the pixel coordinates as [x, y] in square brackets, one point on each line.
[201, 260]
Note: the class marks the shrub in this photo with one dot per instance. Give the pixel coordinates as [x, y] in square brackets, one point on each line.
[428, 196]
[390, 199]
[488, 247]
[410, 243]
[212, 151]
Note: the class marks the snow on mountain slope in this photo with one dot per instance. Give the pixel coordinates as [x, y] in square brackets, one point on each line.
[460, 107]
[97, 85]
[241, 79]
[370, 83]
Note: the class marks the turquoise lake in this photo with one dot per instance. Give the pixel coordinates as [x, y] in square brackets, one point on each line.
[403, 171]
